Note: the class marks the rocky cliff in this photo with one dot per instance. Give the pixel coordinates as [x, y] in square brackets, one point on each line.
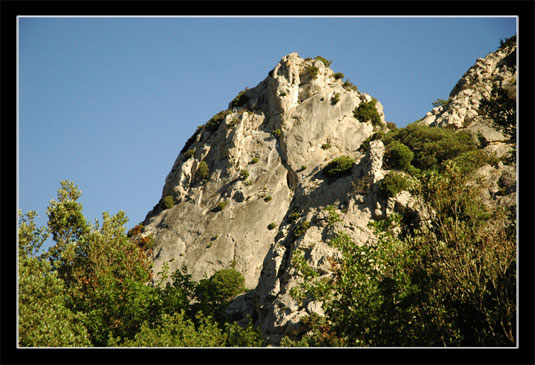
[249, 187]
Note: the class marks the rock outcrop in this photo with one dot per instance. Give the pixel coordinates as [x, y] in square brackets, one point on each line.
[283, 171]
[248, 188]
[463, 109]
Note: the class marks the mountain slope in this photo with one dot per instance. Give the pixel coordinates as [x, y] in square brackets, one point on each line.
[252, 185]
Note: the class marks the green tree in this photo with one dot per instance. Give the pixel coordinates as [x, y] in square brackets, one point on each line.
[440, 102]
[203, 172]
[226, 284]
[169, 202]
[451, 282]
[177, 330]
[398, 156]
[393, 183]
[109, 280]
[66, 223]
[44, 319]
[100, 291]
[367, 112]
[214, 294]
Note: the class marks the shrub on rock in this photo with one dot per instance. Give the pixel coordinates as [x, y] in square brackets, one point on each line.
[338, 167]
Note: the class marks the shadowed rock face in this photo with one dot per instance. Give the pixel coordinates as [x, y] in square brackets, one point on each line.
[284, 133]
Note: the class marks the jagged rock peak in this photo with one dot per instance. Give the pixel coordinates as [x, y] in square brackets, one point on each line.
[232, 185]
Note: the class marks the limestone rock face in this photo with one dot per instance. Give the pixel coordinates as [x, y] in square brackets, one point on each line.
[463, 109]
[284, 171]
[250, 192]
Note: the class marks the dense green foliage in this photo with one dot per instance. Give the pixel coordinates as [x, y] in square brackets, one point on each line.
[41, 295]
[94, 287]
[430, 146]
[240, 100]
[367, 112]
[393, 183]
[398, 156]
[203, 172]
[338, 167]
[244, 174]
[312, 71]
[448, 281]
[276, 132]
[169, 202]
[338, 76]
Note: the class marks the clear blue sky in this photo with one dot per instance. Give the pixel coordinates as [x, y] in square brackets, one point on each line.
[109, 102]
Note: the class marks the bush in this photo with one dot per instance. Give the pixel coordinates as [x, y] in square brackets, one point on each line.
[254, 160]
[398, 156]
[431, 145]
[326, 62]
[392, 184]
[213, 124]
[202, 170]
[508, 42]
[470, 161]
[391, 126]
[272, 225]
[325, 146]
[221, 205]
[338, 76]
[440, 102]
[312, 71]
[240, 100]
[276, 132]
[268, 198]
[348, 85]
[169, 202]
[335, 99]
[338, 167]
[244, 174]
[190, 153]
[301, 229]
[367, 111]
[226, 284]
